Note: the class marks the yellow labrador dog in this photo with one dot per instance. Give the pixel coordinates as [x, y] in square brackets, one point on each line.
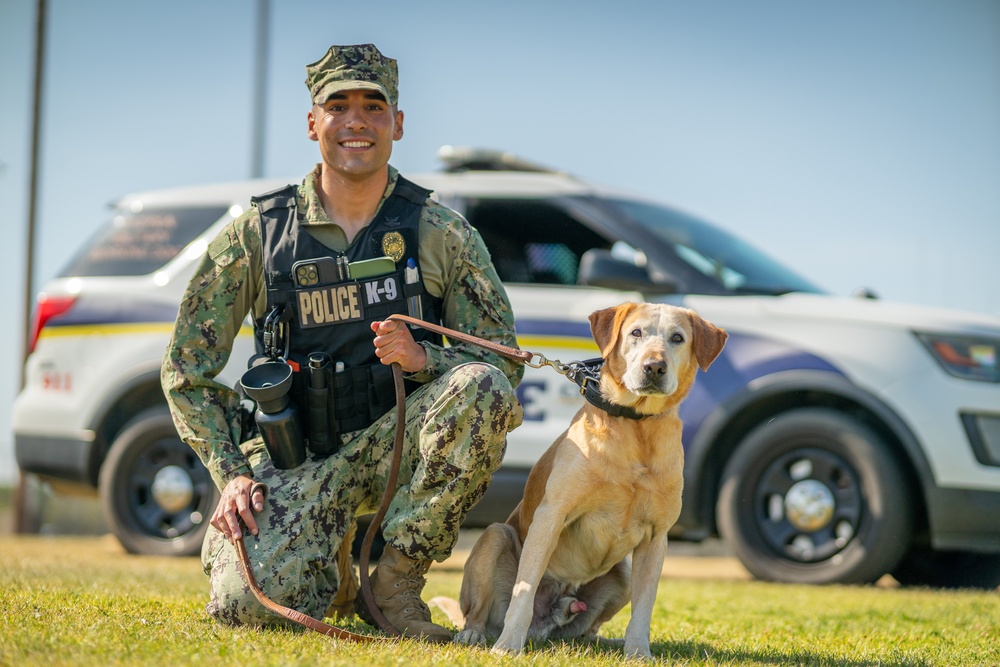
[607, 489]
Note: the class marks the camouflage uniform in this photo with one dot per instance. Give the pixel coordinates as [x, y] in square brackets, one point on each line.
[456, 423]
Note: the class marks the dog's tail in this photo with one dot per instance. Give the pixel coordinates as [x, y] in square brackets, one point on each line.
[451, 609]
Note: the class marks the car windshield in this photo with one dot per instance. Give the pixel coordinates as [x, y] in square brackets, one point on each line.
[135, 244]
[716, 253]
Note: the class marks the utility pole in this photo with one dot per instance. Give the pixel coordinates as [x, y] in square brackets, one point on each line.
[25, 500]
[259, 101]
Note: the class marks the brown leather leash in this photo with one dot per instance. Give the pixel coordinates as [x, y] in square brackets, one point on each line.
[291, 614]
[514, 353]
[390, 490]
[326, 629]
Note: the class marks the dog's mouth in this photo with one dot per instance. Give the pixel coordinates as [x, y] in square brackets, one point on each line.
[653, 386]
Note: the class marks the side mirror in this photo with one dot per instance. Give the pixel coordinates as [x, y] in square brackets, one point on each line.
[599, 268]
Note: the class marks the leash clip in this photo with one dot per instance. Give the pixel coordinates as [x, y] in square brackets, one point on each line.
[566, 370]
[541, 362]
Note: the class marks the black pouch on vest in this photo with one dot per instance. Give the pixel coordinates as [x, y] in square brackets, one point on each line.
[321, 417]
[320, 441]
[362, 395]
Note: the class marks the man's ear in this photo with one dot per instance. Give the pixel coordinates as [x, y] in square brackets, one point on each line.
[311, 125]
[399, 126]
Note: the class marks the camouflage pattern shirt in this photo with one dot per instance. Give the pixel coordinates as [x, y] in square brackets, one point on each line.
[229, 283]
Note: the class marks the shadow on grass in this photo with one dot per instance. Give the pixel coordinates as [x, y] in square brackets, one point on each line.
[684, 652]
[667, 652]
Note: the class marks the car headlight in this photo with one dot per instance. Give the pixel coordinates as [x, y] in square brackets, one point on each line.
[966, 357]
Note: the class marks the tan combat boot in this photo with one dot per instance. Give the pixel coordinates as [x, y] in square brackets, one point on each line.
[396, 585]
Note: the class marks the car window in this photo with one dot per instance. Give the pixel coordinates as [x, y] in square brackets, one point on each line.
[138, 243]
[715, 253]
[532, 241]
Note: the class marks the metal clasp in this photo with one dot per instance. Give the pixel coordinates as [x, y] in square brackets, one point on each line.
[557, 366]
[276, 334]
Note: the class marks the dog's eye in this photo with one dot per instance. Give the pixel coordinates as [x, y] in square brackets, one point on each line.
[677, 338]
[636, 333]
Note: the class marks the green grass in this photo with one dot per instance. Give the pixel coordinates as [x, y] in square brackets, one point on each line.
[82, 601]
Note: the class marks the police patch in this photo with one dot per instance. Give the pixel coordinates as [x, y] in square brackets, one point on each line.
[394, 246]
[329, 305]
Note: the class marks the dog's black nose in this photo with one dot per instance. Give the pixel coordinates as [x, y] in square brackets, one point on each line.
[655, 369]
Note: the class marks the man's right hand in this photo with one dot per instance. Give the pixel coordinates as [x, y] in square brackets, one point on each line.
[237, 503]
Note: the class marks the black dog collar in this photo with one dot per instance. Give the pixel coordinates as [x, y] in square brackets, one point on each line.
[587, 374]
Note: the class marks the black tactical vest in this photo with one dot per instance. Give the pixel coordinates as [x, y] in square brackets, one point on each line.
[326, 310]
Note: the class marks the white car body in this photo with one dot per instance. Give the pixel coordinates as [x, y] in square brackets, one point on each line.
[861, 358]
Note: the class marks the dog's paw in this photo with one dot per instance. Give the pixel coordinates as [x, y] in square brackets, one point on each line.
[471, 638]
[505, 647]
[638, 652]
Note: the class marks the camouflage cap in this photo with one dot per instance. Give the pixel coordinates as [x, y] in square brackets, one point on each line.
[350, 68]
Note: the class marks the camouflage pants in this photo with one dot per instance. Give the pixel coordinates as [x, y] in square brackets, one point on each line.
[456, 428]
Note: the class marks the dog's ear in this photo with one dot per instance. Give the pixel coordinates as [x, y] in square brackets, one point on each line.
[606, 324]
[708, 340]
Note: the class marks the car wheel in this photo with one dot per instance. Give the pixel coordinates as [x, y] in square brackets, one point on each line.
[813, 496]
[157, 495]
[924, 566]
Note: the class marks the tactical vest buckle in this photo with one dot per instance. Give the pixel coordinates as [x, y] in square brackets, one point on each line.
[276, 338]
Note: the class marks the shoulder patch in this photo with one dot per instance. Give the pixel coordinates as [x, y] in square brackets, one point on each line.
[225, 248]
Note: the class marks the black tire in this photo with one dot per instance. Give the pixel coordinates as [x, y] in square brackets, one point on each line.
[813, 496]
[923, 566]
[157, 495]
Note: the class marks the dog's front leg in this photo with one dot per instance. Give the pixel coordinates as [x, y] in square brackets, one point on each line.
[538, 545]
[647, 564]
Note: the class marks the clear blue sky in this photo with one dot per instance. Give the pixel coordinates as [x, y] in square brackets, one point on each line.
[858, 141]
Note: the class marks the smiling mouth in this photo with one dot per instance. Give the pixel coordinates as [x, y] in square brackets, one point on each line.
[356, 144]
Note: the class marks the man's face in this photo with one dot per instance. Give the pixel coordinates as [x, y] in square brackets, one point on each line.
[355, 130]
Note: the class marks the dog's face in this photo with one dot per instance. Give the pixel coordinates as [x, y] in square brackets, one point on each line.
[653, 350]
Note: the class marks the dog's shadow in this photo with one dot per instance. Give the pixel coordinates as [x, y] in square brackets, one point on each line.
[684, 651]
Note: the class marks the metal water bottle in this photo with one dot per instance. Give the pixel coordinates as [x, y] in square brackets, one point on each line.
[276, 416]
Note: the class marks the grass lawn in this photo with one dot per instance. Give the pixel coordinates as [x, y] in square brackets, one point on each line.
[83, 601]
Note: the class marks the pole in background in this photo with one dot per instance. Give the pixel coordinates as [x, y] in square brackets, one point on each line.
[26, 512]
[259, 101]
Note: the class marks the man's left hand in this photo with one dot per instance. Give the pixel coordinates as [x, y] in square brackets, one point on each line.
[394, 343]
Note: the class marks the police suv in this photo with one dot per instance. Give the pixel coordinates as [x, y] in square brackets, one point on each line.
[834, 440]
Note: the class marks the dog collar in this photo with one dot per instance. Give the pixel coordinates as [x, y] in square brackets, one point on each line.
[587, 374]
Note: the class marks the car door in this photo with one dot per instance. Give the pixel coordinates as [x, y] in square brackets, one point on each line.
[536, 245]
